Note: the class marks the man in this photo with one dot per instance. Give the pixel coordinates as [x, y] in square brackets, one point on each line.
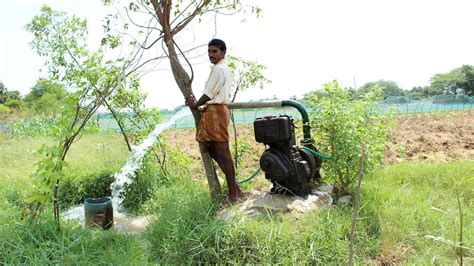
[212, 129]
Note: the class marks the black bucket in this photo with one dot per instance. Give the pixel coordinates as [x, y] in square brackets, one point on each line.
[99, 212]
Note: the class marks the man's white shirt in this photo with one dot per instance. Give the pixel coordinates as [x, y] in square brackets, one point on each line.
[219, 83]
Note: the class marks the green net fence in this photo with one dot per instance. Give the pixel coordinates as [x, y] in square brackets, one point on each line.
[398, 105]
[392, 105]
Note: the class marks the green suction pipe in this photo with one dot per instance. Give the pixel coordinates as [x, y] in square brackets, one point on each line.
[284, 103]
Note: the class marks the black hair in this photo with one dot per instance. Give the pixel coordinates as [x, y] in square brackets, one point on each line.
[219, 43]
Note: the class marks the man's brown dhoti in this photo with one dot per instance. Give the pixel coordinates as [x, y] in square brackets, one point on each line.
[213, 124]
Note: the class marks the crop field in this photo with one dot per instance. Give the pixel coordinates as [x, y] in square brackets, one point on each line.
[410, 213]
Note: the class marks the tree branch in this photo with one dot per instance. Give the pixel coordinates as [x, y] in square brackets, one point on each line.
[356, 204]
[186, 21]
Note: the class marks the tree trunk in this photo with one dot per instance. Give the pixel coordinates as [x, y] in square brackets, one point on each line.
[184, 83]
[163, 10]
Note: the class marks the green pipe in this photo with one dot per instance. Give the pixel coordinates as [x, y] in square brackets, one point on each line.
[297, 105]
[251, 176]
[304, 116]
[317, 154]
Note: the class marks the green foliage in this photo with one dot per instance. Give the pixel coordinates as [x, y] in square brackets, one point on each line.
[309, 96]
[3, 93]
[47, 175]
[247, 74]
[74, 190]
[42, 87]
[44, 126]
[418, 93]
[15, 104]
[4, 110]
[245, 152]
[132, 99]
[150, 176]
[156, 173]
[59, 38]
[457, 80]
[15, 95]
[389, 88]
[63, 40]
[9, 98]
[342, 125]
[48, 97]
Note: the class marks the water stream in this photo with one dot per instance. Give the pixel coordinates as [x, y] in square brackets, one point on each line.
[122, 222]
[134, 161]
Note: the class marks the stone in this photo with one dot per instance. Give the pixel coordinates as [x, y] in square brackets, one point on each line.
[328, 188]
[261, 203]
[346, 200]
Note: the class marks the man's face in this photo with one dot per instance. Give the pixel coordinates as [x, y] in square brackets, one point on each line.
[215, 54]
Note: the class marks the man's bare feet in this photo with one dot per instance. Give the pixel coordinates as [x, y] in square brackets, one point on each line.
[233, 199]
[242, 195]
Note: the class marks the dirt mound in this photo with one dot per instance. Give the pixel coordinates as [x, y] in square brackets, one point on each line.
[430, 137]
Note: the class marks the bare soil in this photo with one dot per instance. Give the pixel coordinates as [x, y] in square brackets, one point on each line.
[422, 137]
[432, 137]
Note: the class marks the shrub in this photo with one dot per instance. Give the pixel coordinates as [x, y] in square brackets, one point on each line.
[15, 104]
[342, 124]
[160, 169]
[4, 110]
[74, 190]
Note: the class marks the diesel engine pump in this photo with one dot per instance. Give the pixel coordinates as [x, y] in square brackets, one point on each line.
[292, 169]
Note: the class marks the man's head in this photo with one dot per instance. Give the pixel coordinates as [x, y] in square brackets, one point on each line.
[216, 50]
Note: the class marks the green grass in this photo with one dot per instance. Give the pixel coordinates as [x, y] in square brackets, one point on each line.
[42, 244]
[416, 200]
[90, 154]
[401, 206]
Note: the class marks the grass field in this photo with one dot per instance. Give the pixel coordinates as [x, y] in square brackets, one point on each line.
[409, 215]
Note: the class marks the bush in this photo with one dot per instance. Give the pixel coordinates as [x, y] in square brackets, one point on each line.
[4, 110]
[156, 173]
[74, 191]
[343, 125]
[15, 104]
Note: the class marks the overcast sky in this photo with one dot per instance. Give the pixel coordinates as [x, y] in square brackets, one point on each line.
[303, 43]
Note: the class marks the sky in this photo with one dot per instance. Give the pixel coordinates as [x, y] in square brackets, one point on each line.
[303, 44]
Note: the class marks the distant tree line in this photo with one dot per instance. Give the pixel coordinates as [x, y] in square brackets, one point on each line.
[44, 98]
[49, 98]
[457, 82]
[8, 99]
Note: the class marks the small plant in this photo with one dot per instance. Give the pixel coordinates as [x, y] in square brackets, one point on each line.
[242, 150]
[340, 124]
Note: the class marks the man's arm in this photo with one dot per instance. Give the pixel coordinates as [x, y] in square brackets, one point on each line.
[213, 85]
[191, 102]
